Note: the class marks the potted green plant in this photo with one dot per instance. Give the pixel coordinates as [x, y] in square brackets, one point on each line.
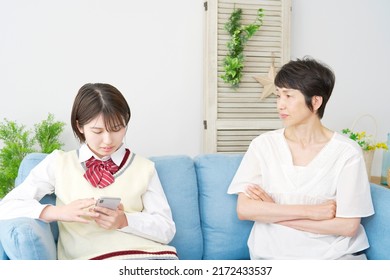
[18, 141]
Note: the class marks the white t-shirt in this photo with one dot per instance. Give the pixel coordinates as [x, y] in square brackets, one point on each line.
[337, 172]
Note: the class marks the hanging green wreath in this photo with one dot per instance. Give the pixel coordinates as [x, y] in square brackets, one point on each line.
[240, 34]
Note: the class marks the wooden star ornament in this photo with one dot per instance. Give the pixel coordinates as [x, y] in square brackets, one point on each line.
[267, 82]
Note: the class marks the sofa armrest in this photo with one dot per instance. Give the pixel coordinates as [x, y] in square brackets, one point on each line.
[3, 255]
[27, 239]
[377, 226]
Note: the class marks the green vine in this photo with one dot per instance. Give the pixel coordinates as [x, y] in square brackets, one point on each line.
[240, 34]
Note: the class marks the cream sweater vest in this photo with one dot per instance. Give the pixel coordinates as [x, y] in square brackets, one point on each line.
[85, 241]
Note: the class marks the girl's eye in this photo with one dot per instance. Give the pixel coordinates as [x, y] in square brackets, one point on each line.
[117, 128]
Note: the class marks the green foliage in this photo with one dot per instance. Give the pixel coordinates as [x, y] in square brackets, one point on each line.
[19, 141]
[240, 34]
[47, 134]
[17, 144]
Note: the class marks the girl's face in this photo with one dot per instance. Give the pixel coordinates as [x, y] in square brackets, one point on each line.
[292, 107]
[99, 140]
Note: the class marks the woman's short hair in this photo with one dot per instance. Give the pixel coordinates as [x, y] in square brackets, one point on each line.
[309, 76]
[94, 99]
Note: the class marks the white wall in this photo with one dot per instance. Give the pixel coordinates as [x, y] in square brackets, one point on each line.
[352, 37]
[152, 51]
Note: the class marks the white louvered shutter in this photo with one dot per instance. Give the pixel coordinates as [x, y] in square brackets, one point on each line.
[233, 117]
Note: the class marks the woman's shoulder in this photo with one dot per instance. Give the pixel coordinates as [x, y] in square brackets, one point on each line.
[347, 146]
[346, 141]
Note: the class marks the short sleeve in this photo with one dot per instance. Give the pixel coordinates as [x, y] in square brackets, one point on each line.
[353, 190]
[248, 172]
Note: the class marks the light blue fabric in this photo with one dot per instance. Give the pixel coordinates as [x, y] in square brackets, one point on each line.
[224, 235]
[178, 178]
[27, 239]
[3, 255]
[378, 226]
[27, 164]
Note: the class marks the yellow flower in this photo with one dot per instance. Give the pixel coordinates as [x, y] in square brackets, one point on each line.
[364, 140]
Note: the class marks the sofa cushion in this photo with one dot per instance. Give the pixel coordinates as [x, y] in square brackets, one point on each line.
[377, 226]
[27, 239]
[224, 235]
[178, 178]
[28, 163]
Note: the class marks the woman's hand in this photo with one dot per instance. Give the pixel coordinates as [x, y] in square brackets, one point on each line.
[76, 211]
[110, 219]
[323, 211]
[257, 193]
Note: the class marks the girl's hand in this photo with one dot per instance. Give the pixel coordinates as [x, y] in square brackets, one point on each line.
[110, 219]
[76, 211]
[257, 193]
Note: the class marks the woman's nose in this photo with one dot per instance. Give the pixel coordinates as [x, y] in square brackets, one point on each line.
[280, 104]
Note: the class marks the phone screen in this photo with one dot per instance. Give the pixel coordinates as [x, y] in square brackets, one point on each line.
[108, 202]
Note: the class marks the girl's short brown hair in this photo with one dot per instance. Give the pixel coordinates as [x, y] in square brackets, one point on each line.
[95, 99]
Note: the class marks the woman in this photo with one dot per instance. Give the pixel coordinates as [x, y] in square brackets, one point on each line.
[140, 227]
[304, 186]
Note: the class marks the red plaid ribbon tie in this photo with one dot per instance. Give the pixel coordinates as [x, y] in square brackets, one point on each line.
[100, 173]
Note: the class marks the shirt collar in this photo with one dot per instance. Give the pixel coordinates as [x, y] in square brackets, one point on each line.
[85, 154]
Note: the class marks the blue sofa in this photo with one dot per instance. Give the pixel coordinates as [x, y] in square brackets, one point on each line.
[205, 216]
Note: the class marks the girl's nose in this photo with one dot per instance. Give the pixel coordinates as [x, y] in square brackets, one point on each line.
[107, 139]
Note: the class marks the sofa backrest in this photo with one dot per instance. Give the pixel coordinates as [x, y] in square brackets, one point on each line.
[224, 235]
[178, 178]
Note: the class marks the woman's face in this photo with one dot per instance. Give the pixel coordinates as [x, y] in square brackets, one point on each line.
[99, 140]
[292, 107]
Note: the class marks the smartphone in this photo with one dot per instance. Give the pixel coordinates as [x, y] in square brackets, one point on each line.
[108, 202]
